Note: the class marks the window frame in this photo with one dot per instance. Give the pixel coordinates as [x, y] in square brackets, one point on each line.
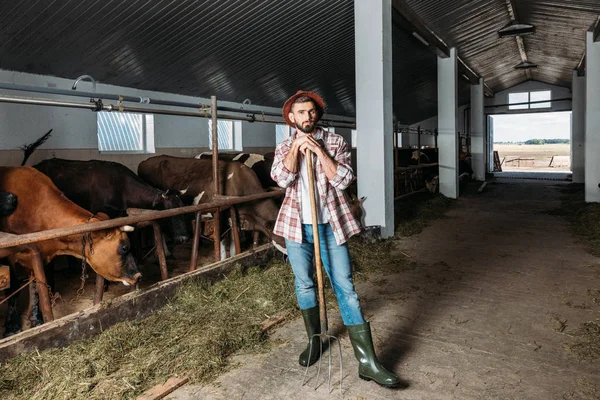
[232, 126]
[530, 106]
[148, 142]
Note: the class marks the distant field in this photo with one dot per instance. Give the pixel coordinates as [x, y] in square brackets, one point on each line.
[529, 157]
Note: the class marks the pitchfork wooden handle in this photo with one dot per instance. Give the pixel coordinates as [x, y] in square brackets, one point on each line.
[316, 240]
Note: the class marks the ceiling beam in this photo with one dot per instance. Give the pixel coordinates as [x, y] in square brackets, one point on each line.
[405, 17]
[595, 27]
[514, 17]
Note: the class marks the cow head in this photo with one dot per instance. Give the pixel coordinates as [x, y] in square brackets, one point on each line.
[260, 216]
[176, 225]
[109, 254]
[8, 203]
[356, 207]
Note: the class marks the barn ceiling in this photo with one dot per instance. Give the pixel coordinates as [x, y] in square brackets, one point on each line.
[258, 49]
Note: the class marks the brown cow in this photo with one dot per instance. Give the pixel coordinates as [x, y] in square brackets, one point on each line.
[41, 207]
[167, 172]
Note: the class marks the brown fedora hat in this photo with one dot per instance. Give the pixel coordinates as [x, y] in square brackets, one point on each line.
[287, 106]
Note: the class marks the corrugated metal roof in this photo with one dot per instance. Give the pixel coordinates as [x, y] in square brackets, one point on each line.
[257, 49]
[472, 27]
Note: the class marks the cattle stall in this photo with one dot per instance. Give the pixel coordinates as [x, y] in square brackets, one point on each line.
[415, 169]
[140, 218]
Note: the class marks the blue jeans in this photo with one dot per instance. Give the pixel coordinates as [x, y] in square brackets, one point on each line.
[336, 262]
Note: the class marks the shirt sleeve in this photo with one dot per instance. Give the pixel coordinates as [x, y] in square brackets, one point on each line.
[280, 174]
[344, 174]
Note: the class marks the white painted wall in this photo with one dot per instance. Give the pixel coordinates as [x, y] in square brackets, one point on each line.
[258, 134]
[76, 129]
[499, 98]
[558, 92]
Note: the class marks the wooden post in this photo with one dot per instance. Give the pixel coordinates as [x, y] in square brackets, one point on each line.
[235, 230]
[195, 242]
[42, 285]
[99, 290]
[160, 250]
[255, 238]
[216, 178]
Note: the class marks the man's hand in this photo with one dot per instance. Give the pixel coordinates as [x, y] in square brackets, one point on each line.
[310, 143]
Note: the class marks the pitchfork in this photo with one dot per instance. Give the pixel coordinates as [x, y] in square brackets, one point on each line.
[319, 267]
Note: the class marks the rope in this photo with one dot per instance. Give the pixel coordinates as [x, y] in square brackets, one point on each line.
[18, 290]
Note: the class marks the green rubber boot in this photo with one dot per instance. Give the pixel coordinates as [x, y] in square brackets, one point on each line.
[369, 367]
[313, 326]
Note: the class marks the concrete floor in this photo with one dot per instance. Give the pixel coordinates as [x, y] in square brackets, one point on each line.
[478, 320]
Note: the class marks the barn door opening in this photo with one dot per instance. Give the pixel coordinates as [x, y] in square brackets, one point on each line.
[531, 143]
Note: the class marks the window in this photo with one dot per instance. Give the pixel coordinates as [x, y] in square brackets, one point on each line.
[540, 96]
[282, 132]
[527, 97]
[353, 144]
[125, 132]
[224, 134]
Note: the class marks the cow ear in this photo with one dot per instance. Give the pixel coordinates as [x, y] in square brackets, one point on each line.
[102, 216]
[362, 198]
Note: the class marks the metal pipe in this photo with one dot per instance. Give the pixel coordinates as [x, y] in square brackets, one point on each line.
[17, 240]
[529, 102]
[121, 108]
[86, 77]
[342, 123]
[325, 117]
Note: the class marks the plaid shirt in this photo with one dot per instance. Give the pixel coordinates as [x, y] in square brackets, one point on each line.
[331, 192]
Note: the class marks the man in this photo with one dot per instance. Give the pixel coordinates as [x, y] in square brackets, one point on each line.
[333, 174]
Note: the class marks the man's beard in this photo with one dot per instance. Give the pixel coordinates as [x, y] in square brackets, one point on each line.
[309, 128]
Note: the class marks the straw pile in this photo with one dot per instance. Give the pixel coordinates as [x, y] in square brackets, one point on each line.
[196, 333]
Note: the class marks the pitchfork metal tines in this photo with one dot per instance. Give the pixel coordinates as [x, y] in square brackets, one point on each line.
[322, 310]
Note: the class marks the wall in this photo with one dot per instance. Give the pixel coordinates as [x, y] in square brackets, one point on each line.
[499, 98]
[558, 92]
[74, 133]
[431, 124]
[258, 138]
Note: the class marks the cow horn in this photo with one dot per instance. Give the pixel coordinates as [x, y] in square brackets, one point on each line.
[165, 193]
[184, 191]
[127, 228]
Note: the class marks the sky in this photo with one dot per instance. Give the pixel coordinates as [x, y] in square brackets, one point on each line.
[522, 127]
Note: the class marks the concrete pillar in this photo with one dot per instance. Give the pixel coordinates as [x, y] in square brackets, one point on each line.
[374, 118]
[592, 119]
[447, 124]
[478, 133]
[578, 128]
